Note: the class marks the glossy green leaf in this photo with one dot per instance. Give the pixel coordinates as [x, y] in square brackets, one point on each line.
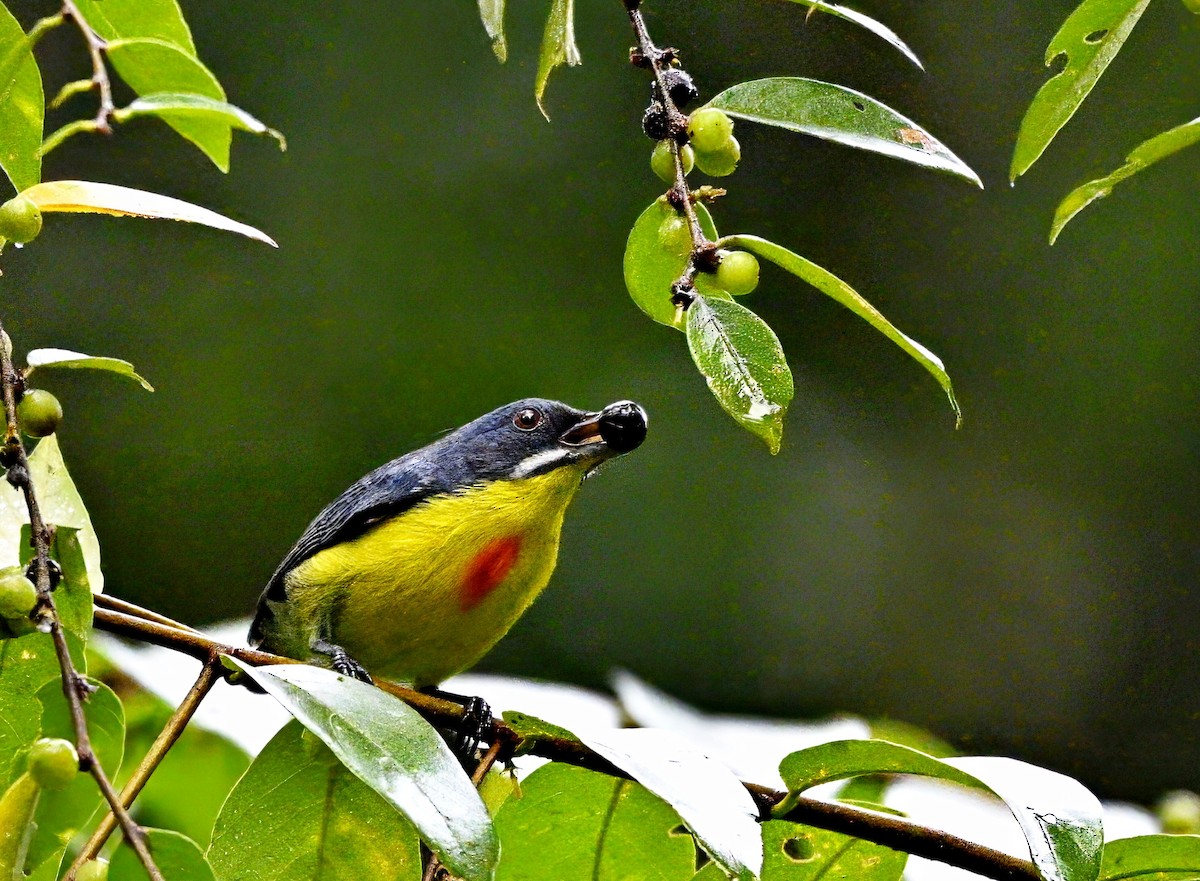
[575, 825]
[63, 813]
[711, 872]
[177, 857]
[1143, 156]
[530, 728]
[712, 802]
[558, 47]
[492, 13]
[743, 363]
[832, 286]
[73, 598]
[147, 19]
[864, 21]
[843, 759]
[802, 853]
[182, 105]
[1151, 858]
[1083, 48]
[22, 106]
[393, 750]
[300, 813]
[835, 113]
[657, 254]
[17, 807]
[64, 358]
[86, 197]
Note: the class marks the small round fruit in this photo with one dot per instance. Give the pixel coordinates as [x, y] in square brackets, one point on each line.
[719, 163]
[53, 763]
[39, 413]
[709, 129]
[737, 272]
[20, 220]
[680, 87]
[1179, 812]
[1193, 6]
[655, 122]
[18, 595]
[14, 628]
[663, 162]
[93, 870]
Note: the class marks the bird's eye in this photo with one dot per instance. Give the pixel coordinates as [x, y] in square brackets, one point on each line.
[527, 419]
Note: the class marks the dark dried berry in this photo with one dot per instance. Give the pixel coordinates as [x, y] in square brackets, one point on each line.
[655, 122]
[680, 87]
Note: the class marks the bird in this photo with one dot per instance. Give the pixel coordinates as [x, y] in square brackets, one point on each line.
[420, 567]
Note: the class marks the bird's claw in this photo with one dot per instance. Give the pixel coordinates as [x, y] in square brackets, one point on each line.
[345, 665]
[475, 725]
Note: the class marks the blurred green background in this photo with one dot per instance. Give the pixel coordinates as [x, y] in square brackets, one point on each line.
[1023, 585]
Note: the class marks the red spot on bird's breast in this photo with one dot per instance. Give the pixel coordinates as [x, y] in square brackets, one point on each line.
[490, 567]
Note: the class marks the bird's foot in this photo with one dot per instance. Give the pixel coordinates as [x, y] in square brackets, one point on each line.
[476, 725]
[341, 662]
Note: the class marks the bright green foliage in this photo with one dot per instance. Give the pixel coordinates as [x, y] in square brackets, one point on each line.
[1179, 812]
[64, 358]
[711, 872]
[18, 595]
[395, 752]
[835, 113]
[1192, 6]
[1151, 858]
[832, 286]
[709, 129]
[1144, 155]
[802, 853]
[865, 21]
[721, 162]
[177, 857]
[93, 870]
[39, 413]
[299, 813]
[844, 759]
[575, 825]
[662, 162]
[1088, 41]
[17, 807]
[743, 363]
[738, 272]
[656, 254]
[184, 105]
[558, 47]
[531, 727]
[53, 763]
[22, 106]
[20, 220]
[492, 13]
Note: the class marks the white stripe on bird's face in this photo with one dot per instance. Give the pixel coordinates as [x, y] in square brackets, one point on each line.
[553, 457]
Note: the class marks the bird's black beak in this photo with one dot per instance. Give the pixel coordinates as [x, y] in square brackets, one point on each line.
[618, 428]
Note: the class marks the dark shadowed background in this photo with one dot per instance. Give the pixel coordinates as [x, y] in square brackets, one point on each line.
[1023, 585]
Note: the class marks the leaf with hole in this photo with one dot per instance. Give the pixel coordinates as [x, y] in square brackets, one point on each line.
[1143, 156]
[22, 105]
[298, 812]
[864, 21]
[1082, 49]
[836, 113]
[393, 750]
[184, 105]
[65, 358]
[492, 14]
[656, 255]
[802, 853]
[832, 286]
[1151, 858]
[177, 857]
[743, 363]
[558, 47]
[85, 197]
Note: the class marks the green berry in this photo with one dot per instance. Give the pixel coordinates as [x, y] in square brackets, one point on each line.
[93, 870]
[1179, 812]
[719, 163]
[738, 272]
[20, 220]
[17, 594]
[14, 628]
[1193, 6]
[39, 413]
[663, 162]
[53, 763]
[709, 129]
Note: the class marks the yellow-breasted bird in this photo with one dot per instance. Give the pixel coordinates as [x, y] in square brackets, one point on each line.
[420, 567]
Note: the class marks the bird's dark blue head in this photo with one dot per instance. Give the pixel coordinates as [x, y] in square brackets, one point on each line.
[535, 436]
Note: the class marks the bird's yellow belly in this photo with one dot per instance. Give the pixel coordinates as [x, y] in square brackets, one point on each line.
[424, 595]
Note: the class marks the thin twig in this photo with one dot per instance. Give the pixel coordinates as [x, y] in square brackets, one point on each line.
[170, 733]
[74, 687]
[96, 47]
[116, 604]
[889, 831]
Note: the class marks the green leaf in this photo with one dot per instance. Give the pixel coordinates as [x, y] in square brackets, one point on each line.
[299, 813]
[530, 728]
[742, 361]
[64, 358]
[558, 47]
[86, 197]
[17, 807]
[802, 853]
[492, 13]
[1084, 46]
[150, 19]
[63, 813]
[575, 825]
[1151, 857]
[832, 286]
[151, 65]
[835, 113]
[22, 106]
[657, 254]
[73, 598]
[711, 872]
[182, 105]
[1143, 156]
[865, 21]
[395, 752]
[176, 855]
[843, 759]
